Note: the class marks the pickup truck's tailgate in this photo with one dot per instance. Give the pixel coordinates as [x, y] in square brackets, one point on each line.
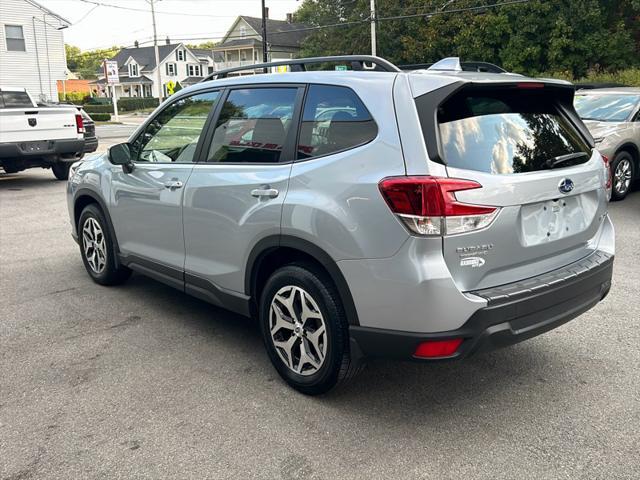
[23, 125]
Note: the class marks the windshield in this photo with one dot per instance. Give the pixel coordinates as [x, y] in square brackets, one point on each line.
[606, 107]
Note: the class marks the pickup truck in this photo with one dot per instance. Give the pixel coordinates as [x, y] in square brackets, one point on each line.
[33, 136]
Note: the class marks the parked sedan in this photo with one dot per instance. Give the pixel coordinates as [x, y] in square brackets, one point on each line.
[612, 115]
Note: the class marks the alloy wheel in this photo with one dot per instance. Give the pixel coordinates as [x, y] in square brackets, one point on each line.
[298, 330]
[622, 176]
[94, 245]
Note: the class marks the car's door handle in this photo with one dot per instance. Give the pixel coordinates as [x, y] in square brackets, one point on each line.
[265, 192]
[173, 184]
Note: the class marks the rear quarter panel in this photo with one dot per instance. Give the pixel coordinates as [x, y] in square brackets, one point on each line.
[334, 202]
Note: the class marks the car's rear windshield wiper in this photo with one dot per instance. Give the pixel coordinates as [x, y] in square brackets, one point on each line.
[555, 161]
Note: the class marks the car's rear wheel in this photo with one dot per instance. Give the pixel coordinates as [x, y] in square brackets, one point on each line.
[96, 248]
[305, 329]
[61, 170]
[622, 172]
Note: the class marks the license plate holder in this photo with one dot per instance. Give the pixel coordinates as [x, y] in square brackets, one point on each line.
[43, 146]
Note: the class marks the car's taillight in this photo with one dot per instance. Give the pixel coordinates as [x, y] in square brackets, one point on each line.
[428, 206]
[79, 123]
[609, 175]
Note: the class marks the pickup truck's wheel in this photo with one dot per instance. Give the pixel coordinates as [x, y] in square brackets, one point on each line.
[305, 329]
[622, 173]
[96, 248]
[61, 170]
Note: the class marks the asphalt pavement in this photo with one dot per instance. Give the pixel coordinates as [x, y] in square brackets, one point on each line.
[142, 381]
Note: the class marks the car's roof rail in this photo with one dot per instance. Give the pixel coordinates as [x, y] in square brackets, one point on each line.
[358, 63]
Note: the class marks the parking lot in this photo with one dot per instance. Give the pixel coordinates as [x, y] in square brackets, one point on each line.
[142, 381]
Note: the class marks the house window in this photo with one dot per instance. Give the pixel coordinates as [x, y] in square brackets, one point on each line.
[171, 69]
[133, 70]
[180, 55]
[243, 32]
[15, 38]
[194, 71]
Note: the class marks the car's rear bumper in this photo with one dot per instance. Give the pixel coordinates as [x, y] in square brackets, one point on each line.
[514, 312]
[90, 144]
[48, 151]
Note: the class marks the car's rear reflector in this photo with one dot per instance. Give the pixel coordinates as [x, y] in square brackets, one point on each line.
[438, 348]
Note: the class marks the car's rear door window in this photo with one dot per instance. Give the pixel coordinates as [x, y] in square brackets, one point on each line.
[253, 125]
[334, 119]
[503, 132]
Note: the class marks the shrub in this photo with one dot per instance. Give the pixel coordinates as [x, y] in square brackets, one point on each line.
[98, 108]
[629, 77]
[127, 104]
[100, 117]
[99, 101]
[77, 98]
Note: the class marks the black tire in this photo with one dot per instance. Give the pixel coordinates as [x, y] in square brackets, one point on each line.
[110, 274]
[616, 192]
[61, 170]
[337, 366]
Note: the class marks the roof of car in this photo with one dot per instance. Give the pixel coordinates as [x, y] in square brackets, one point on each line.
[609, 91]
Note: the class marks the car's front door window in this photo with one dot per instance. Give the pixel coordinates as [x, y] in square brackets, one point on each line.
[172, 136]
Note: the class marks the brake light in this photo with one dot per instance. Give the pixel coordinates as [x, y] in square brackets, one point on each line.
[428, 206]
[79, 123]
[605, 159]
[437, 348]
[530, 85]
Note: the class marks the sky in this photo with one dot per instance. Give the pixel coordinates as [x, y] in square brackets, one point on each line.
[189, 21]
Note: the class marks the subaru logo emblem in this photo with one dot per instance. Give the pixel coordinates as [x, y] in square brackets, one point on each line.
[566, 185]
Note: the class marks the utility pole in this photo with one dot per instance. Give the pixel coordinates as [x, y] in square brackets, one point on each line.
[157, 54]
[265, 56]
[373, 28]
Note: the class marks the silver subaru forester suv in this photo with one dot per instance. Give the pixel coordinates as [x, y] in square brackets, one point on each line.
[427, 215]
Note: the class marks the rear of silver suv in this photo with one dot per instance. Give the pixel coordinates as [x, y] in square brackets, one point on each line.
[505, 207]
[423, 216]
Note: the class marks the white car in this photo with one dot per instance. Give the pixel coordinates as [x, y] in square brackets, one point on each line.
[33, 136]
[612, 115]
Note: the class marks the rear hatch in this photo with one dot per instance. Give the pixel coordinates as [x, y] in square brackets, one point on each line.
[525, 147]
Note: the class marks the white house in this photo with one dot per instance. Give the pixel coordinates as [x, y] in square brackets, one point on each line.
[137, 69]
[242, 44]
[32, 52]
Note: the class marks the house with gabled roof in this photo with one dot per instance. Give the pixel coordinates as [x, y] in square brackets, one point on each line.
[32, 52]
[242, 44]
[137, 69]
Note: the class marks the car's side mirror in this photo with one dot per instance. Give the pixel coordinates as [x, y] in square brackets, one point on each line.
[120, 154]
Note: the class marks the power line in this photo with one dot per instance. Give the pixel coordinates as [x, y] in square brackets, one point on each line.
[349, 23]
[158, 12]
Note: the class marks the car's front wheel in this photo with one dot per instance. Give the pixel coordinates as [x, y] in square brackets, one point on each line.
[96, 248]
[305, 329]
[622, 172]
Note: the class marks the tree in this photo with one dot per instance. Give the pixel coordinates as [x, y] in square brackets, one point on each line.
[577, 36]
[87, 64]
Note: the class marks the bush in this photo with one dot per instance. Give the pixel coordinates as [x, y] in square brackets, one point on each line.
[77, 98]
[99, 101]
[629, 77]
[100, 117]
[126, 104]
[98, 108]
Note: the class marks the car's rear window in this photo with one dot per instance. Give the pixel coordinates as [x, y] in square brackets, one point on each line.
[507, 132]
[15, 100]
